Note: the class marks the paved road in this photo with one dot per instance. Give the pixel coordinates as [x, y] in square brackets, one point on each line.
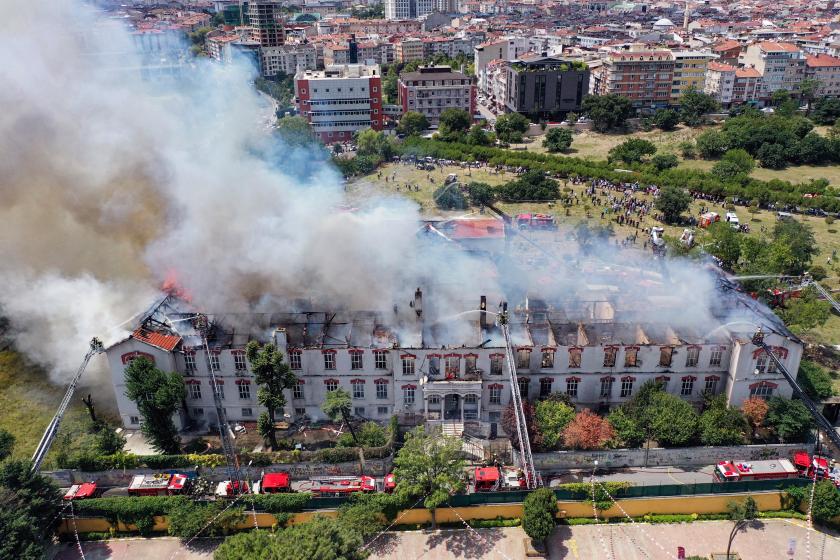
[642, 476]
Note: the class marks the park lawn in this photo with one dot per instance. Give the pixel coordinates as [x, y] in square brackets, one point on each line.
[795, 174]
[28, 402]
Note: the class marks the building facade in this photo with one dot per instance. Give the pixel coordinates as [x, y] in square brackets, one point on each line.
[408, 9]
[825, 70]
[599, 365]
[411, 48]
[689, 73]
[781, 65]
[644, 77]
[340, 100]
[266, 22]
[433, 89]
[544, 87]
[720, 82]
[287, 59]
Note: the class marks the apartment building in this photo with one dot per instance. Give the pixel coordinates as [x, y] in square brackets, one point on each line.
[219, 46]
[727, 51]
[782, 65]
[340, 100]
[720, 81]
[448, 46]
[643, 76]
[408, 9]
[381, 53]
[266, 21]
[825, 70]
[433, 89]
[411, 48]
[287, 59]
[689, 73]
[508, 48]
[545, 87]
[747, 88]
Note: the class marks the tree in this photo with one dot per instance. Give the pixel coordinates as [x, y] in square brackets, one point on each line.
[558, 140]
[274, 376]
[158, 395]
[29, 507]
[477, 136]
[725, 244]
[412, 123]
[672, 202]
[632, 151]
[607, 112]
[371, 142]
[588, 431]
[733, 164]
[481, 194]
[337, 404]
[7, 443]
[694, 104]
[529, 187]
[449, 197]
[826, 502]
[674, 422]
[666, 119]
[552, 417]
[805, 312]
[755, 411]
[511, 126]
[539, 511]
[321, 538]
[807, 89]
[627, 428]
[722, 425]
[826, 111]
[454, 123]
[772, 156]
[294, 131]
[108, 441]
[664, 161]
[429, 466]
[188, 519]
[371, 435]
[814, 380]
[784, 104]
[799, 237]
[88, 402]
[247, 545]
[788, 419]
[509, 424]
[712, 144]
[741, 514]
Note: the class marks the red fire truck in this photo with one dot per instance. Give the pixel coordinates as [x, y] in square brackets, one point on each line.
[160, 484]
[536, 221]
[81, 491]
[389, 483]
[273, 483]
[342, 485]
[494, 479]
[740, 471]
[809, 466]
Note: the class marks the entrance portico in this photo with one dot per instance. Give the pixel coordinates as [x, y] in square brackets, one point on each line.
[453, 401]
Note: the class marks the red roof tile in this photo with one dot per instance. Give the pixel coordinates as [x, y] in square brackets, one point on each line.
[821, 61]
[478, 228]
[166, 342]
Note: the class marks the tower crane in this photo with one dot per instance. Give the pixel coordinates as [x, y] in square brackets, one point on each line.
[51, 432]
[203, 326]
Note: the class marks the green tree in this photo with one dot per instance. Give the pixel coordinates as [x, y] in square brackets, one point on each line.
[783, 103]
[694, 104]
[632, 151]
[539, 511]
[274, 376]
[370, 435]
[724, 243]
[477, 136]
[814, 380]
[108, 441]
[29, 513]
[7, 443]
[454, 123]
[627, 428]
[511, 126]
[741, 513]
[807, 90]
[320, 539]
[449, 197]
[371, 142]
[826, 502]
[814, 149]
[248, 545]
[552, 417]
[430, 467]
[558, 140]
[711, 144]
[672, 202]
[799, 237]
[338, 404]
[734, 163]
[772, 156]
[826, 111]
[788, 419]
[481, 194]
[723, 425]
[608, 112]
[413, 123]
[294, 131]
[158, 395]
[674, 422]
[390, 85]
[188, 519]
[806, 312]
[666, 119]
[664, 161]
[529, 187]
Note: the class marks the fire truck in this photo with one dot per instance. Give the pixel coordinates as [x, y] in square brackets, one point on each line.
[494, 479]
[741, 471]
[159, 484]
[708, 219]
[536, 221]
[273, 483]
[389, 484]
[811, 467]
[228, 489]
[342, 485]
[81, 491]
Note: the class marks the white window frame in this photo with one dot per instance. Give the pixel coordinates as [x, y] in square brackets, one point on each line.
[495, 395]
[497, 365]
[546, 383]
[189, 361]
[215, 364]
[358, 390]
[247, 412]
[295, 360]
[331, 386]
[692, 357]
[244, 391]
[572, 386]
[239, 362]
[357, 361]
[329, 360]
[687, 387]
[626, 388]
[408, 366]
[195, 392]
[408, 395]
[716, 357]
[380, 360]
[381, 390]
[606, 388]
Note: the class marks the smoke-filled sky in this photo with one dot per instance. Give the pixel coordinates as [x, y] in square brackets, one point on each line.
[109, 184]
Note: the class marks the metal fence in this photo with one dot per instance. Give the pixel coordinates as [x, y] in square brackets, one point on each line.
[646, 491]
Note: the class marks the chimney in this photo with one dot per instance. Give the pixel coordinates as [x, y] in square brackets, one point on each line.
[482, 317]
[418, 302]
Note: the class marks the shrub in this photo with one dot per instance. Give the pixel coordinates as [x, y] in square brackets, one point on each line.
[540, 508]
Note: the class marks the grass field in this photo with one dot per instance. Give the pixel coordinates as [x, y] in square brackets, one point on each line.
[27, 403]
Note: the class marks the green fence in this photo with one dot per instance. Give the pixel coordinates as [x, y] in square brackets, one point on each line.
[646, 491]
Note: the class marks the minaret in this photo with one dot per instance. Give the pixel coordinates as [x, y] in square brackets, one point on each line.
[685, 16]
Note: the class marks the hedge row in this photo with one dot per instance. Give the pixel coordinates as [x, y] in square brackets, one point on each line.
[774, 191]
